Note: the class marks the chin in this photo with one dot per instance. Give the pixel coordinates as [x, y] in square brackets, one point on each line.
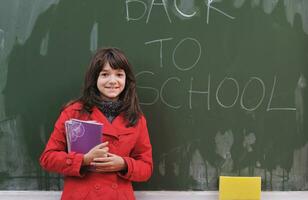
[112, 96]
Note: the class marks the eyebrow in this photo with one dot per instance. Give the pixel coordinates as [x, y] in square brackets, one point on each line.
[118, 70]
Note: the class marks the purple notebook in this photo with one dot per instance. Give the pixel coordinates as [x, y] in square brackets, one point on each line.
[82, 136]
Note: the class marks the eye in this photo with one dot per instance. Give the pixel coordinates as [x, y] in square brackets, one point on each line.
[120, 74]
[103, 74]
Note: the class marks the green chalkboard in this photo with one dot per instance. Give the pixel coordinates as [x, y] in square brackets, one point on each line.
[222, 84]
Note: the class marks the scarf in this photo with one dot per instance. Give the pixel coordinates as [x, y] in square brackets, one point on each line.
[110, 109]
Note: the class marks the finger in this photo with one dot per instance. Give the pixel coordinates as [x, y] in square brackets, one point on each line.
[105, 170]
[111, 154]
[101, 164]
[100, 152]
[102, 145]
[104, 150]
[104, 159]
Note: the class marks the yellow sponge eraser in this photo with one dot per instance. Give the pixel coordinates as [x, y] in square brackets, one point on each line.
[239, 188]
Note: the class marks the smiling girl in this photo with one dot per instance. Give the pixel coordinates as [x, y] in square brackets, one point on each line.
[125, 154]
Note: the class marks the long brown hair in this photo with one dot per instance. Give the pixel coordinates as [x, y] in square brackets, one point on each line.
[91, 95]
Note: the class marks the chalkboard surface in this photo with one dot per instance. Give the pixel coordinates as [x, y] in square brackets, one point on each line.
[222, 84]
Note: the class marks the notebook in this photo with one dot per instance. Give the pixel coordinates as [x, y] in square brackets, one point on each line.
[82, 135]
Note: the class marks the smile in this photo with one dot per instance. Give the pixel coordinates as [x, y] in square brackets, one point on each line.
[112, 88]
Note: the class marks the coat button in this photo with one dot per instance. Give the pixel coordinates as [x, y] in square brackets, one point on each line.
[114, 186]
[97, 186]
[69, 161]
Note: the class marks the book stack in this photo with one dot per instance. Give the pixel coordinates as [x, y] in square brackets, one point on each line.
[82, 135]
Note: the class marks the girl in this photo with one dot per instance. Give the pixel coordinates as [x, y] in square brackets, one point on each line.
[125, 154]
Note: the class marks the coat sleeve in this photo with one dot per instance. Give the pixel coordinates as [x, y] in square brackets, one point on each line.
[140, 163]
[55, 157]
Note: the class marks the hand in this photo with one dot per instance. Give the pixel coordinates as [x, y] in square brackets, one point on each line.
[112, 163]
[99, 151]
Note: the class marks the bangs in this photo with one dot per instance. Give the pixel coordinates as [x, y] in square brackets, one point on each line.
[116, 61]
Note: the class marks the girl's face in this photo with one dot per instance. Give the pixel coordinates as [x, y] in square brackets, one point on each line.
[111, 82]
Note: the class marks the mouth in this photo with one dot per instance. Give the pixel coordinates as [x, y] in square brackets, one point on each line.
[112, 88]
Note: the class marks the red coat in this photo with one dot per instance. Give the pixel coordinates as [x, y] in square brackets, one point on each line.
[131, 143]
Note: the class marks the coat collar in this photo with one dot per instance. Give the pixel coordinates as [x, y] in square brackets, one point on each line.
[116, 128]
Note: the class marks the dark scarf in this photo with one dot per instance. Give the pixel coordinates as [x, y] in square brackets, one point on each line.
[110, 109]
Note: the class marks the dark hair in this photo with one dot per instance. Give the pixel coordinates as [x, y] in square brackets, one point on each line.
[91, 95]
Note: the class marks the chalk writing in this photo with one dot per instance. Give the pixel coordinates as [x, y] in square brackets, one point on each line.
[128, 18]
[180, 43]
[209, 6]
[184, 68]
[161, 48]
[271, 98]
[154, 90]
[244, 90]
[239, 96]
[163, 3]
[181, 12]
[162, 92]
[236, 96]
[207, 92]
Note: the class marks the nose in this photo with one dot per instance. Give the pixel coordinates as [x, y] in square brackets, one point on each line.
[112, 80]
